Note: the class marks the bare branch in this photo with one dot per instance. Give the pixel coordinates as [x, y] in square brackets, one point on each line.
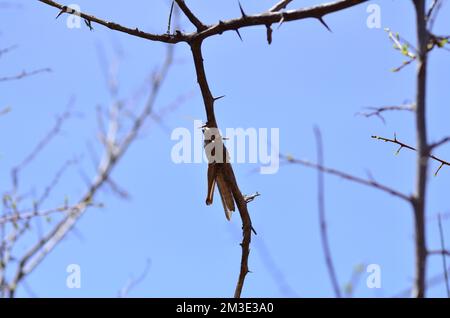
[117, 189]
[423, 154]
[30, 214]
[169, 23]
[268, 18]
[270, 263]
[280, 5]
[132, 283]
[432, 281]
[56, 129]
[265, 18]
[195, 39]
[54, 182]
[432, 13]
[355, 278]
[322, 218]
[251, 197]
[190, 15]
[439, 143]
[7, 50]
[444, 261]
[114, 151]
[377, 111]
[5, 111]
[24, 74]
[370, 183]
[225, 168]
[166, 38]
[403, 145]
[439, 252]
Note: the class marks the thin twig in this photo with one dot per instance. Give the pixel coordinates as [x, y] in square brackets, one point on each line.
[56, 129]
[370, 183]
[280, 5]
[432, 13]
[190, 15]
[7, 50]
[439, 143]
[166, 38]
[432, 281]
[439, 252]
[404, 145]
[277, 274]
[24, 74]
[32, 213]
[444, 261]
[322, 218]
[5, 111]
[132, 283]
[377, 111]
[170, 17]
[354, 280]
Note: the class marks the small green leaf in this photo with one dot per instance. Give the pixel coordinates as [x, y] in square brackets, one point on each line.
[442, 42]
[405, 49]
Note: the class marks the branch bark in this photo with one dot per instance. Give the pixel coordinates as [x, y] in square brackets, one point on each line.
[166, 38]
[266, 18]
[419, 198]
[208, 99]
[191, 16]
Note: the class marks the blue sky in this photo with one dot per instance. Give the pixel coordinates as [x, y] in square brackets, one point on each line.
[307, 77]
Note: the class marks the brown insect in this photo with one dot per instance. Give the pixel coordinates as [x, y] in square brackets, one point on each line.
[216, 174]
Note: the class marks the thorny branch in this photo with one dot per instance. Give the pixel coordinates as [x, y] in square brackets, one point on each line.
[404, 145]
[265, 18]
[230, 178]
[195, 39]
[166, 38]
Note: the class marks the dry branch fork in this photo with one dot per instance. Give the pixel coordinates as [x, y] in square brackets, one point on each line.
[195, 39]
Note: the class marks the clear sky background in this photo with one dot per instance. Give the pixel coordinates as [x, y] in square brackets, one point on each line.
[307, 77]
